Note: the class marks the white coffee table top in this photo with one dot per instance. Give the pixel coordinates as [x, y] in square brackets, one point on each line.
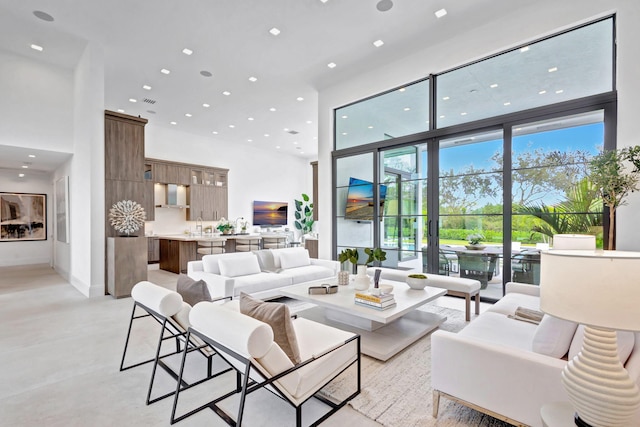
[407, 299]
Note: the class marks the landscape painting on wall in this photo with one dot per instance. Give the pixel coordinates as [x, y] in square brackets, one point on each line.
[23, 217]
[269, 213]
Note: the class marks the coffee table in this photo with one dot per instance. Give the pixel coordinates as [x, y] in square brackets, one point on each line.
[383, 332]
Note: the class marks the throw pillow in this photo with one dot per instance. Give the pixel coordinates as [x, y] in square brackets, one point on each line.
[276, 315]
[192, 291]
[239, 266]
[266, 261]
[294, 259]
[553, 336]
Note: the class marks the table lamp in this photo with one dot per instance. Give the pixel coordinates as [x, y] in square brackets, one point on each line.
[601, 290]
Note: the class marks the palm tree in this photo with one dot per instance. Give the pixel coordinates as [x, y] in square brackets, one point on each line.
[579, 213]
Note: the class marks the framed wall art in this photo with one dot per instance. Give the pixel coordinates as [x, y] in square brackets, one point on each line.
[62, 209]
[23, 217]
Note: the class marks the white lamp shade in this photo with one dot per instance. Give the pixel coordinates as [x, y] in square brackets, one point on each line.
[596, 288]
[574, 241]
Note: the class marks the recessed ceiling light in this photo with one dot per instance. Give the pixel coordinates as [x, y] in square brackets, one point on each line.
[226, 93]
[402, 89]
[214, 132]
[33, 156]
[378, 43]
[344, 133]
[146, 87]
[232, 126]
[266, 134]
[553, 69]
[274, 31]
[559, 91]
[133, 100]
[206, 73]
[345, 117]
[369, 127]
[187, 51]
[250, 118]
[309, 122]
[299, 98]
[43, 15]
[286, 129]
[174, 123]
[25, 166]
[463, 114]
[37, 47]
[407, 108]
[249, 140]
[440, 13]
[331, 65]
[324, 1]
[165, 71]
[120, 110]
[524, 49]
[206, 105]
[445, 98]
[384, 5]
[277, 146]
[506, 104]
[443, 116]
[253, 79]
[295, 142]
[542, 92]
[302, 152]
[493, 86]
[21, 175]
[272, 109]
[188, 115]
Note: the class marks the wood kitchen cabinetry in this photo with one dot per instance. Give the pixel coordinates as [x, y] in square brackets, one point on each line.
[171, 173]
[153, 250]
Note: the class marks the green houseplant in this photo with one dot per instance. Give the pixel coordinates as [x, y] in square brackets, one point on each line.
[304, 214]
[615, 179]
[348, 255]
[376, 256]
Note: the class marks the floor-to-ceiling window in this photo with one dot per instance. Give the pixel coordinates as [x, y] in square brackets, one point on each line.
[496, 149]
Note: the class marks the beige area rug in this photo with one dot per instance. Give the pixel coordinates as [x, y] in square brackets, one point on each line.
[397, 393]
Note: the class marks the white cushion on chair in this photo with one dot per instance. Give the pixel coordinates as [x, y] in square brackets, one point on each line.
[233, 267]
[294, 259]
[242, 334]
[161, 300]
[553, 336]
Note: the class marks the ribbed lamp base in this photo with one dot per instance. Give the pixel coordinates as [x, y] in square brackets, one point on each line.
[598, 386]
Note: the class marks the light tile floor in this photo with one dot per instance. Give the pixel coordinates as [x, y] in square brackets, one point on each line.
[60, 353]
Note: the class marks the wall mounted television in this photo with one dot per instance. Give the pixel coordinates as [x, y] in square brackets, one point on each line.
[267, 214]
[360, 199]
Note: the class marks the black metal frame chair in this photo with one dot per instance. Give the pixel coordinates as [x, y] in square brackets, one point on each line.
[175, 331]
[246, 383]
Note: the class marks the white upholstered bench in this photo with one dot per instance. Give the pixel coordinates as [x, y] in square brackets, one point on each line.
[455, 286]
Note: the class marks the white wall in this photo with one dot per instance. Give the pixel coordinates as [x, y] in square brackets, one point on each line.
[28, 252]
[533, 20]
[254, 173]
[62, 250]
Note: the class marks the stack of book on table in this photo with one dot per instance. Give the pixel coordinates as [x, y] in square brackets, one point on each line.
[378, 302]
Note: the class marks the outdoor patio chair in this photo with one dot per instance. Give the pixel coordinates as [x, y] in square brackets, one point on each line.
[526, 267]
[261, 364]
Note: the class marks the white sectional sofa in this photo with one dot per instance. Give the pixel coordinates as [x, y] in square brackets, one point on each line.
[260, 273]
[509, 368]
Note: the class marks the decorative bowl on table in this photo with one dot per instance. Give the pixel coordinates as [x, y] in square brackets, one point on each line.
[475, 247]
[385, 289]
[417, 281]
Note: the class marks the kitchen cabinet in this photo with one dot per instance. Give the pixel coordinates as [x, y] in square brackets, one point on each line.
[200, 199]
[175, 254]
[171, 173]
[153, 250]
[126, 264]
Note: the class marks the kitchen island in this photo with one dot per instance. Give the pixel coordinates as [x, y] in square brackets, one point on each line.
[178, 249]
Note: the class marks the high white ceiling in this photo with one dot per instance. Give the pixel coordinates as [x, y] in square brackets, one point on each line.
[231, 40]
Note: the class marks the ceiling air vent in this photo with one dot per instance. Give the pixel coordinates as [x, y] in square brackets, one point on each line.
[149, 101]
[293, 132]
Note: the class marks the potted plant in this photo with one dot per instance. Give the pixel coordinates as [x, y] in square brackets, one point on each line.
[614, 180]
[474, 241]
[348, 255]
[376, 256]
[225, 226]
[304, 215]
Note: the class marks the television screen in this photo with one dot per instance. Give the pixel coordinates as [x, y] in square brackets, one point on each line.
[360, 199]
[269, 213]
